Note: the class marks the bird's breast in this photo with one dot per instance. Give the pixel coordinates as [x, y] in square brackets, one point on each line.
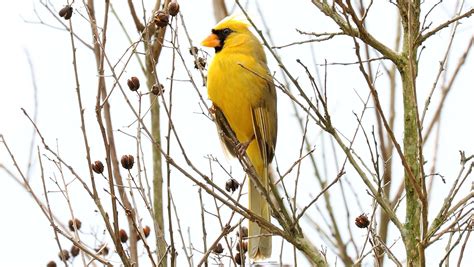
[235, 87]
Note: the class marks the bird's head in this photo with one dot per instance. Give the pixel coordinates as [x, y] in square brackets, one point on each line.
[232, 31]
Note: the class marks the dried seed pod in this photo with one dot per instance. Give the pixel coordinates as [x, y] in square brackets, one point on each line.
[161, 18]
[51, 264]
[218, 249]
[242, 247]
[98, 167]
[243, 232]
[127, 161]
[64, 255]
[66, 12]
[200, 63]
[102, 250]
[362, 221]
[75, 251]
[231, 185]
[239, 258]
[123, 236]
[105, 251]
[193, 50]
[173, 8]
[76, 222]
[157, 89]
[133, 83]
[146, 230]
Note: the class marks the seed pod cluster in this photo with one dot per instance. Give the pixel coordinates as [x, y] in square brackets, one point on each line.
[161, 18]
[127, 161]
[193, 50]
[218, 249]
[75, 251]
[64, 255]
[242, 246]
[173, 8]
[98, 167]
[239, 258]
[157, 89]
[231, 185]
[133, 83]
[362, 221]
[243, 232]
[76, 222]
[123, 236]
[102, 250]
[199, 63]
[146, 230]
[66, 12]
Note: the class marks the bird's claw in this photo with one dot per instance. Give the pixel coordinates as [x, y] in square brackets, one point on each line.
[241, 148]
[212, 110]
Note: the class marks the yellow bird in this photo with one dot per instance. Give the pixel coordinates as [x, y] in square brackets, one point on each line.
[240, 87]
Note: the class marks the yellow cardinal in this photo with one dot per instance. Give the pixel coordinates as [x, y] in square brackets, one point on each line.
[243, 95]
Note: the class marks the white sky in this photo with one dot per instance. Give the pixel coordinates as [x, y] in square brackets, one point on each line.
[27, 239]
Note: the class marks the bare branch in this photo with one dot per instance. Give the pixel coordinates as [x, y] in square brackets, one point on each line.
[427, 35]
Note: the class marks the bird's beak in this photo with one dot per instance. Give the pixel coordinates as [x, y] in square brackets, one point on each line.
[211, 41]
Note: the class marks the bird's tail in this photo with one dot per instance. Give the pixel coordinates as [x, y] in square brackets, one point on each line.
[260, 241]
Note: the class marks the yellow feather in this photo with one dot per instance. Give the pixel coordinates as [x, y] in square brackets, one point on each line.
[237, 21]
[240, 85]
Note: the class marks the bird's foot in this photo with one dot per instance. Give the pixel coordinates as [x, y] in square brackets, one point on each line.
[241, 148]
[212, 110]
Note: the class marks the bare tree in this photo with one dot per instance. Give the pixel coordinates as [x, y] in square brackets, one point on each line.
[385, 156]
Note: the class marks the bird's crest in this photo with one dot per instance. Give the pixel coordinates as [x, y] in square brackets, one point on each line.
[234, 22]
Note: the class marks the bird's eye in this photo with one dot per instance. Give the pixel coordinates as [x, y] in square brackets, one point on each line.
[226, 31]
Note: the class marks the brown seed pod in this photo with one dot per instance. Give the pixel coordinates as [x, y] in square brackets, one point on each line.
[161, 18]
[239, 258]
[242, 247]
[51, 264]
[193, 50]
[157, 89]
[98, 167]
[127, 161]
[231, 185]
[102, 250]
[362, 221]
[173, 8]
[105, 251]
[218, 249]
[66, 12]
[133, 83]
[200, 63]
[243, 232]
[64, 255]
[146, 230]
[123, 236]
[76, 223]
[75, 251]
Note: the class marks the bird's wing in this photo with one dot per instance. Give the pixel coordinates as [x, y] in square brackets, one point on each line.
[264, 120]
